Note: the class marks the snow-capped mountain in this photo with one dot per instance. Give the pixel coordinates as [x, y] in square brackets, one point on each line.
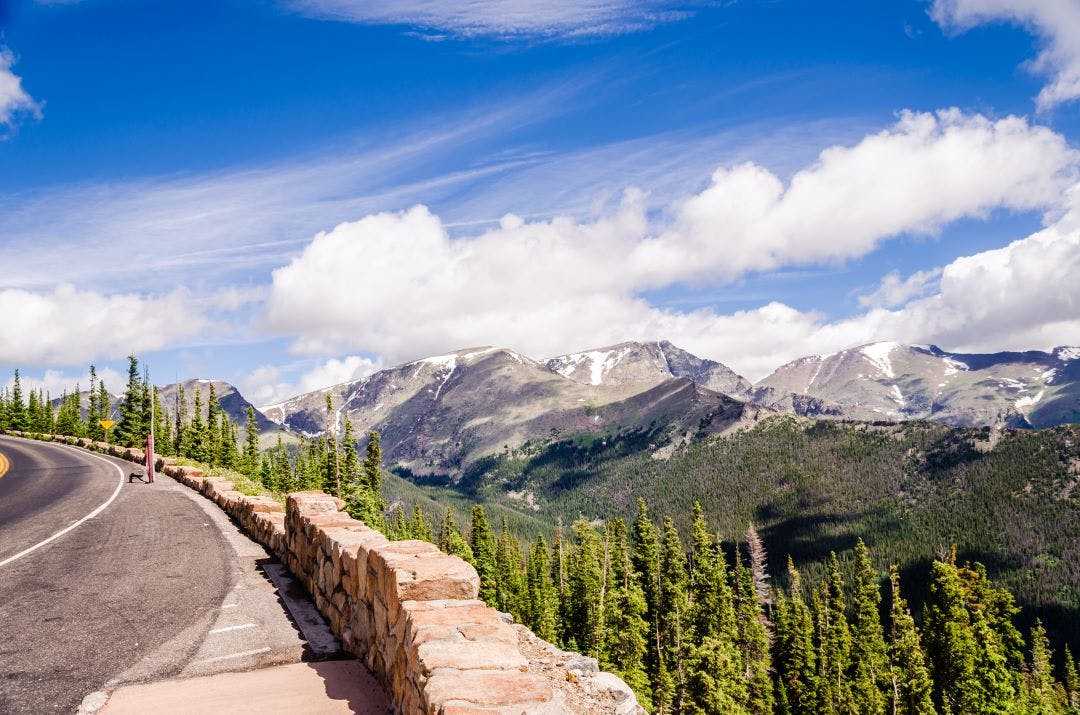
[647, 363]
[892, 381]
[437, 414]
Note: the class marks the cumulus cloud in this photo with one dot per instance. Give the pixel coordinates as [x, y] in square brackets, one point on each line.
[894, 290]
[398, 285]
[265, 385]
[67, 326]
[502, 18]
[1055, 22]
[13, 98]
[56, 382]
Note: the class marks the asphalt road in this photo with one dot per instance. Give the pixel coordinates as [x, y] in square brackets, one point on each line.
[145, 575]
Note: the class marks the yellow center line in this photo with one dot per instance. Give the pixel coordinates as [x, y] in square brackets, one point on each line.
[4, 464]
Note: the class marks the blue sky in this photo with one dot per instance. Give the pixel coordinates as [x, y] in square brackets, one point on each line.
[166, 169]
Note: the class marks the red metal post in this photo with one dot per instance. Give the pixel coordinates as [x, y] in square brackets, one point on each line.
[150, 458]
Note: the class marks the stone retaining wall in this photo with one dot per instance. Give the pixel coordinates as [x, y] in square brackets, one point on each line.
[408, 610]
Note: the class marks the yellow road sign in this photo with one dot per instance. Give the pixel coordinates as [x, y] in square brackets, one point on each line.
[107, 424]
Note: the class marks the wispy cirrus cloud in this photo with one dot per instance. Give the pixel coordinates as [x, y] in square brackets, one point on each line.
[502, 18]
[1055, 22]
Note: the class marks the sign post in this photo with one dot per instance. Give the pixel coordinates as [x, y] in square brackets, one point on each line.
[107, 425]
[150, 443]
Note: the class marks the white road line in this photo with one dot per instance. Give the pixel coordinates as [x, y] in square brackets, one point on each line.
[232, 655]
[91, 515]
[226, 629]
[230, 605]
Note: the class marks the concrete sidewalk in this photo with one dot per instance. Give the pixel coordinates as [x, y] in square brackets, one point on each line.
[323, 688]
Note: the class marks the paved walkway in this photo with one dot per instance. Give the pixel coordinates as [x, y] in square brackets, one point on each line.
[326, 688]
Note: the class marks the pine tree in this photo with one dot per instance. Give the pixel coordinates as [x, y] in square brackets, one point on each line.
[16, 407]
[911, 686]
[363, 497]
[213, 438]
[1072, 683]
[482, 544]
[869, 655]
[795, 653]
[333, 462]
[714, 667]
[542, 608]
[752, 641]
[450, 539]
[93, 411]
[180, 434]
[509, 575]
[969, 639]
[625, 641]
[585, 612]
[673, 613]
[250, 459]
[399, 527]
[162, 443]
[647, 564]
[195, 440]
[834, 638]
[419, 527]
[104, 407]
[350, 462]
[129, 430]
[1043, 695]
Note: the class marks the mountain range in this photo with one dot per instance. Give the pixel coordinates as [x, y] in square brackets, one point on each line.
[438, 414]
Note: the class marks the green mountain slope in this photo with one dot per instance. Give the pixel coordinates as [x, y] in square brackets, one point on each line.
[1008, 499]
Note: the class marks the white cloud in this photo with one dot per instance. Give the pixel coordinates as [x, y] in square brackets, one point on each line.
[894, 290]
[503, 18]
[265, 385]
[1055, 22]
[922, 173]
[56, 382]
[13, 98]
[398, 285]
[67, 326]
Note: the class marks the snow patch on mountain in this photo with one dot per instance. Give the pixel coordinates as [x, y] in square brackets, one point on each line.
[878, 354]
[599, 363]
[1025, 402]
[954, 366]
[1067, 354]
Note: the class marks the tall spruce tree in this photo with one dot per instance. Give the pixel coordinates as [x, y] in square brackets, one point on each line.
[543, 608]
[753, 642]
[714, 680]
[869, 655]
[674, 610]
[250, 459]
[834, 643]
[450, 539]
[969, 639]
[647, 564]
[625, 641]
[482, 543]
[911, 685]
[796, 657]
[16, 408]
[130, 429]
[509, 575]
[587, 590]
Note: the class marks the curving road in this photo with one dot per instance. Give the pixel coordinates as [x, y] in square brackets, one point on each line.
[136, 570]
